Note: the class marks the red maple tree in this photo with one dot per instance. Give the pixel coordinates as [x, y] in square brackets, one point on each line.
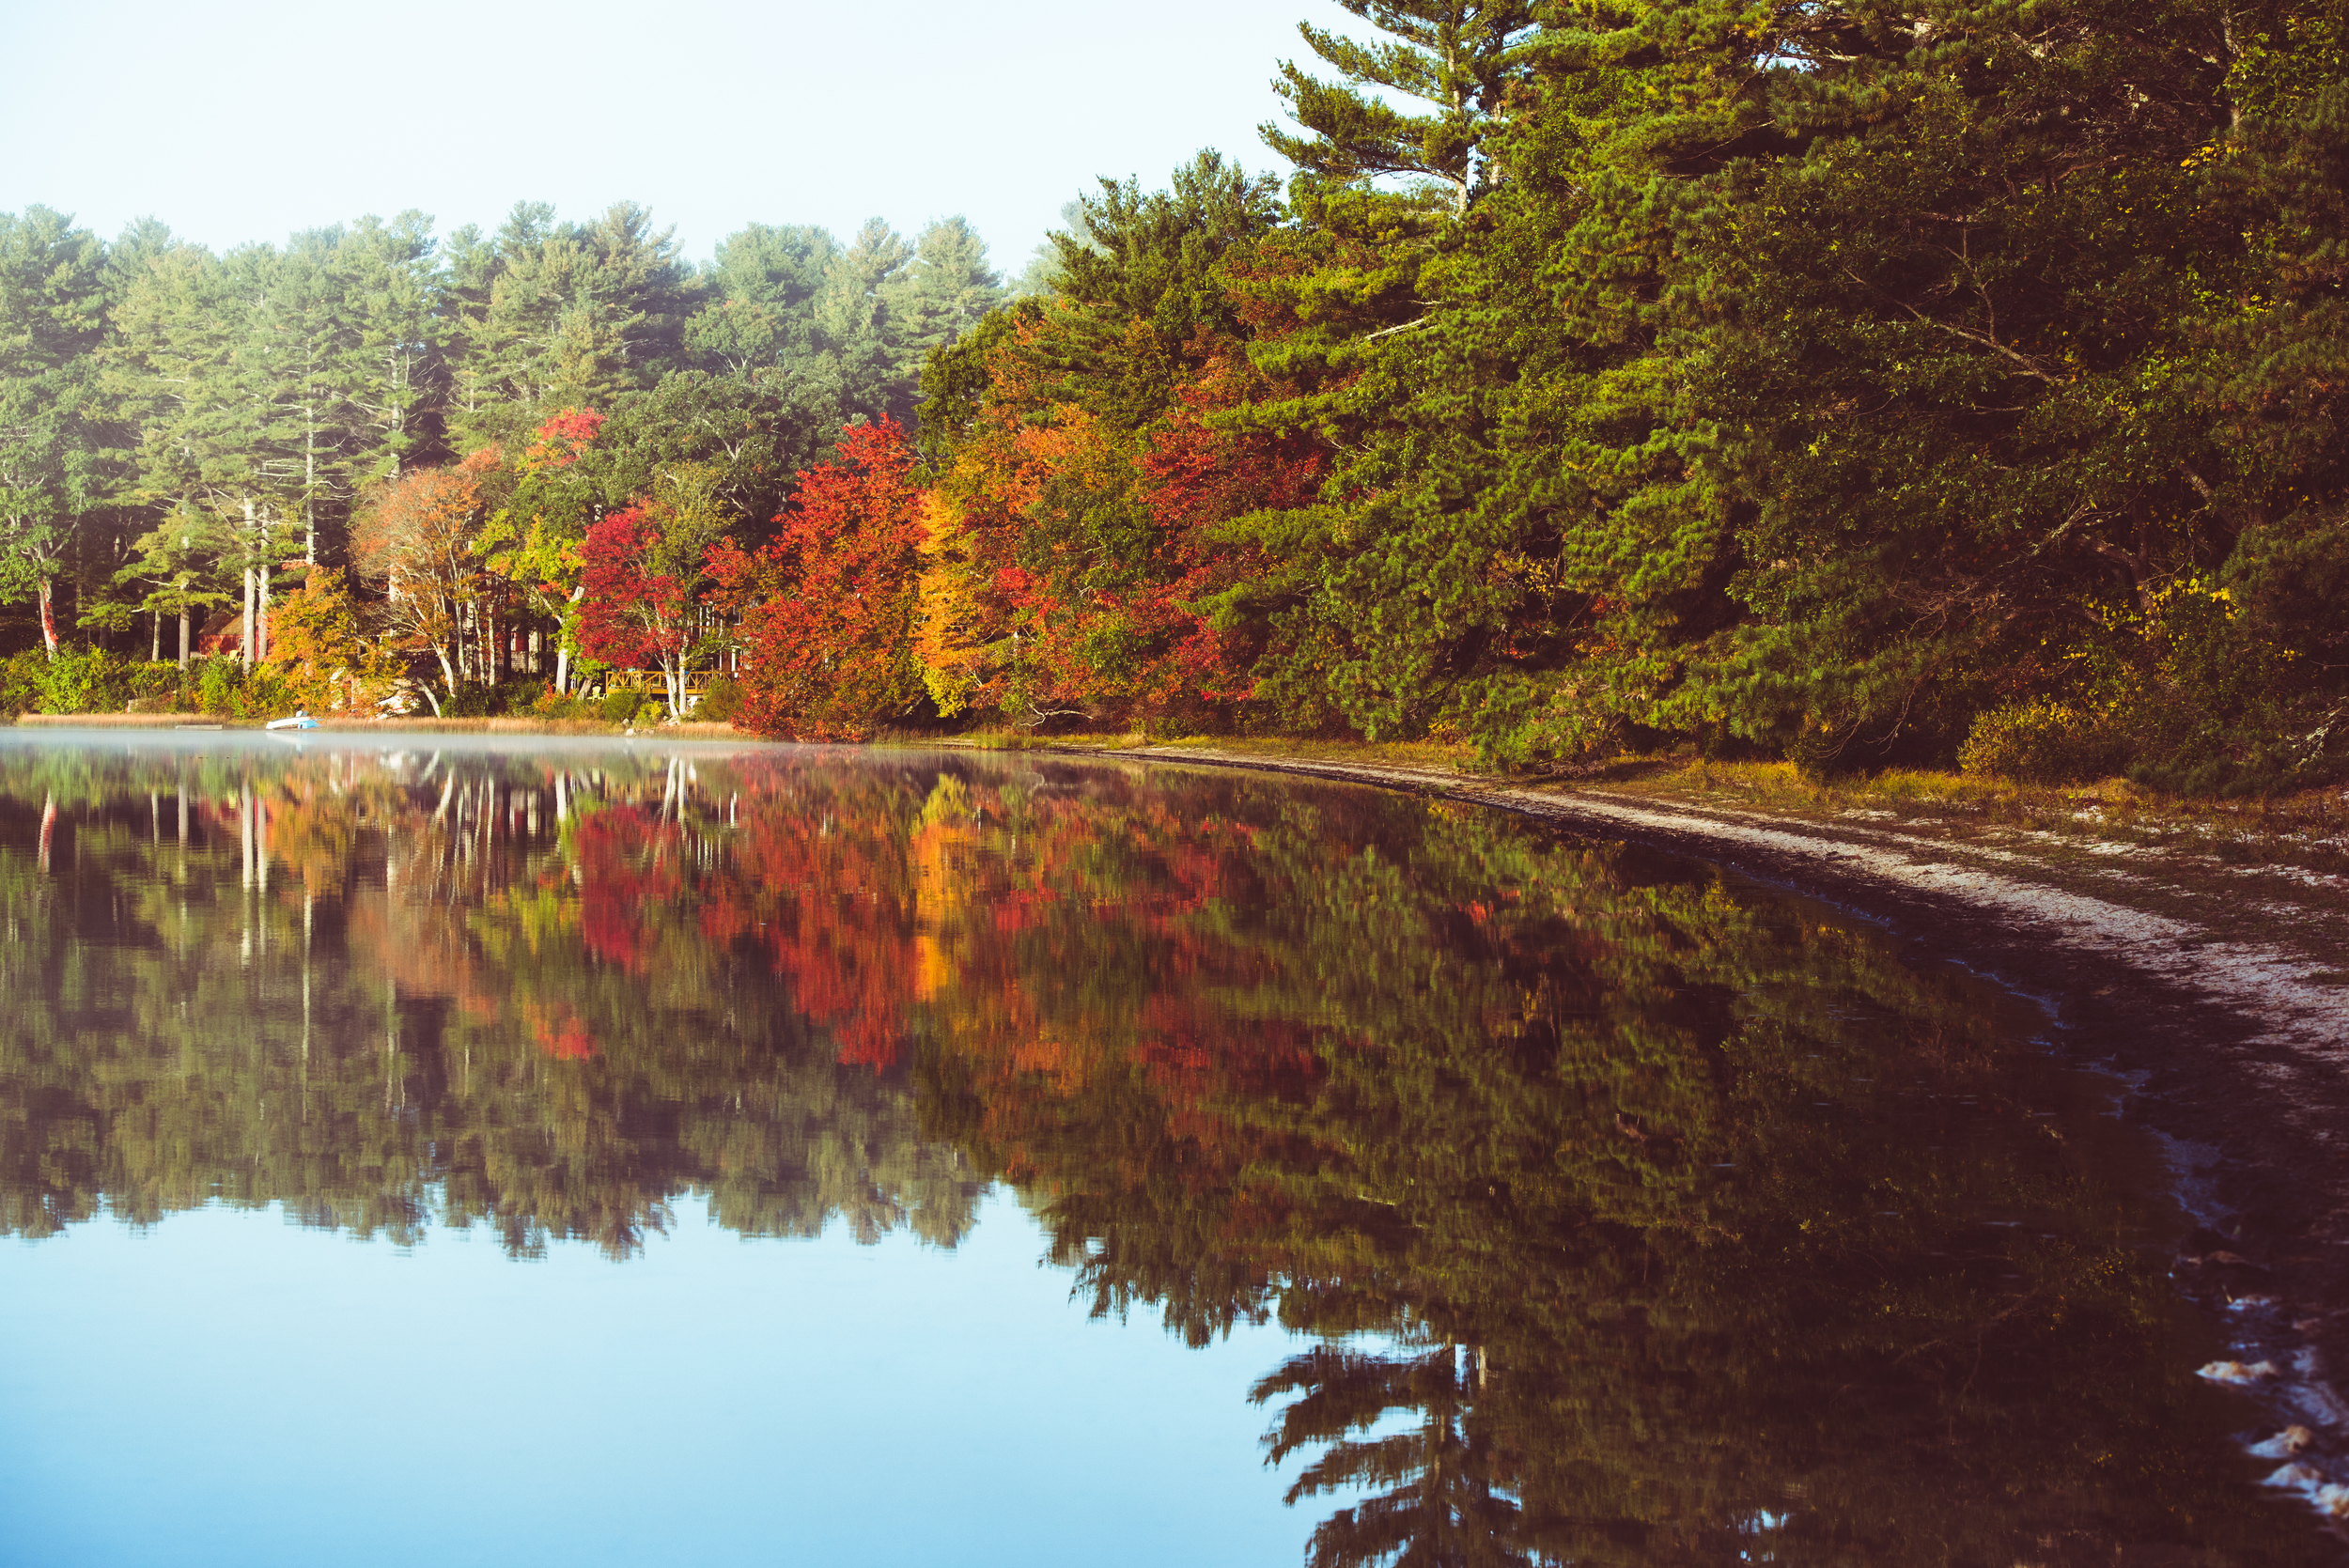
[827, 607]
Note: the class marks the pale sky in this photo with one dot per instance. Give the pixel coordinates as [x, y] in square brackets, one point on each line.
[248, 119]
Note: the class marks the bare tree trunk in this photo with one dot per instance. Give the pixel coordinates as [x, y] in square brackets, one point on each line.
[155, 654]
[309, 482]
[260, 627]
[49, 615]
[184, 632]
[246, 646]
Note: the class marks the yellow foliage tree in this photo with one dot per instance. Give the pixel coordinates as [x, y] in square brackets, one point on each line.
[314, 639]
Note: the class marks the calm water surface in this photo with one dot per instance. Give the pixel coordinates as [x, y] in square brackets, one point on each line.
[591, 1154]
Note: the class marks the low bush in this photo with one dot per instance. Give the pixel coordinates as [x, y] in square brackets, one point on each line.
[552, 705]
[81, 680]
[20, 682]
[721, 701]
[470, 701]
[2044, 741]
[219, 683]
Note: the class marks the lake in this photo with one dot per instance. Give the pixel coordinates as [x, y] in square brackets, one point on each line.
[598, 1152]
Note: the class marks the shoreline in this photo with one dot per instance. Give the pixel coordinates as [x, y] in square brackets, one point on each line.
[509, 724]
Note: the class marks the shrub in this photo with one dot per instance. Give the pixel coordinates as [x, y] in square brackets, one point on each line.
[20, 681]
[219, 682]
[470, 701]
[2044, 741]
[95, 680]
[618, 708]
[550, 704]
[719, 702]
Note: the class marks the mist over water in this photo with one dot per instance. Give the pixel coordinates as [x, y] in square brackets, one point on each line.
[1409, 1183]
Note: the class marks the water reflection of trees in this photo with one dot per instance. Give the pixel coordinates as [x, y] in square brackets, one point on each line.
[1631, 1215]
[389, 992]
[1639, 1218]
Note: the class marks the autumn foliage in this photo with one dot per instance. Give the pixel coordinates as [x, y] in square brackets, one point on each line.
[630, 615]
[827, 608]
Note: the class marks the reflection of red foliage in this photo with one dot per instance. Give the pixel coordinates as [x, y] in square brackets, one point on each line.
[559, 1033]
[627, 863]
[821, 879]
[1086, 984]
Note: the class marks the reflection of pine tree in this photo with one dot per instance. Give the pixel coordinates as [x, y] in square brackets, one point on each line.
[1442, 1502]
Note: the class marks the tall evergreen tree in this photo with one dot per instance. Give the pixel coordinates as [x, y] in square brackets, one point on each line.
[1459, 57]
[58, 452]
[555, 315]
[765, 282]
[390, 360]
[942, 294]
[855, 332]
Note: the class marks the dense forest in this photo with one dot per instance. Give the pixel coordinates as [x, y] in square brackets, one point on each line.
[1865, 382]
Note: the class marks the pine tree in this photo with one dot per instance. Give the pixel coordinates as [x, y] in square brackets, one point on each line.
[1458, 56]
[57, 456]
[766, 281]
[177, 564]
[856, 336]
[192, 363]
[942, 293]
[390, 358]
[553, 315]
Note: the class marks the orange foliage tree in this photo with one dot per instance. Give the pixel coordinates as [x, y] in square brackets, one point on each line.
[417, 542]
[1078, 568]
[315, 638]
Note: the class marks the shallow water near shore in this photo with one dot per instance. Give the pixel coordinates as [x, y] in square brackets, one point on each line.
[530, 1151]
